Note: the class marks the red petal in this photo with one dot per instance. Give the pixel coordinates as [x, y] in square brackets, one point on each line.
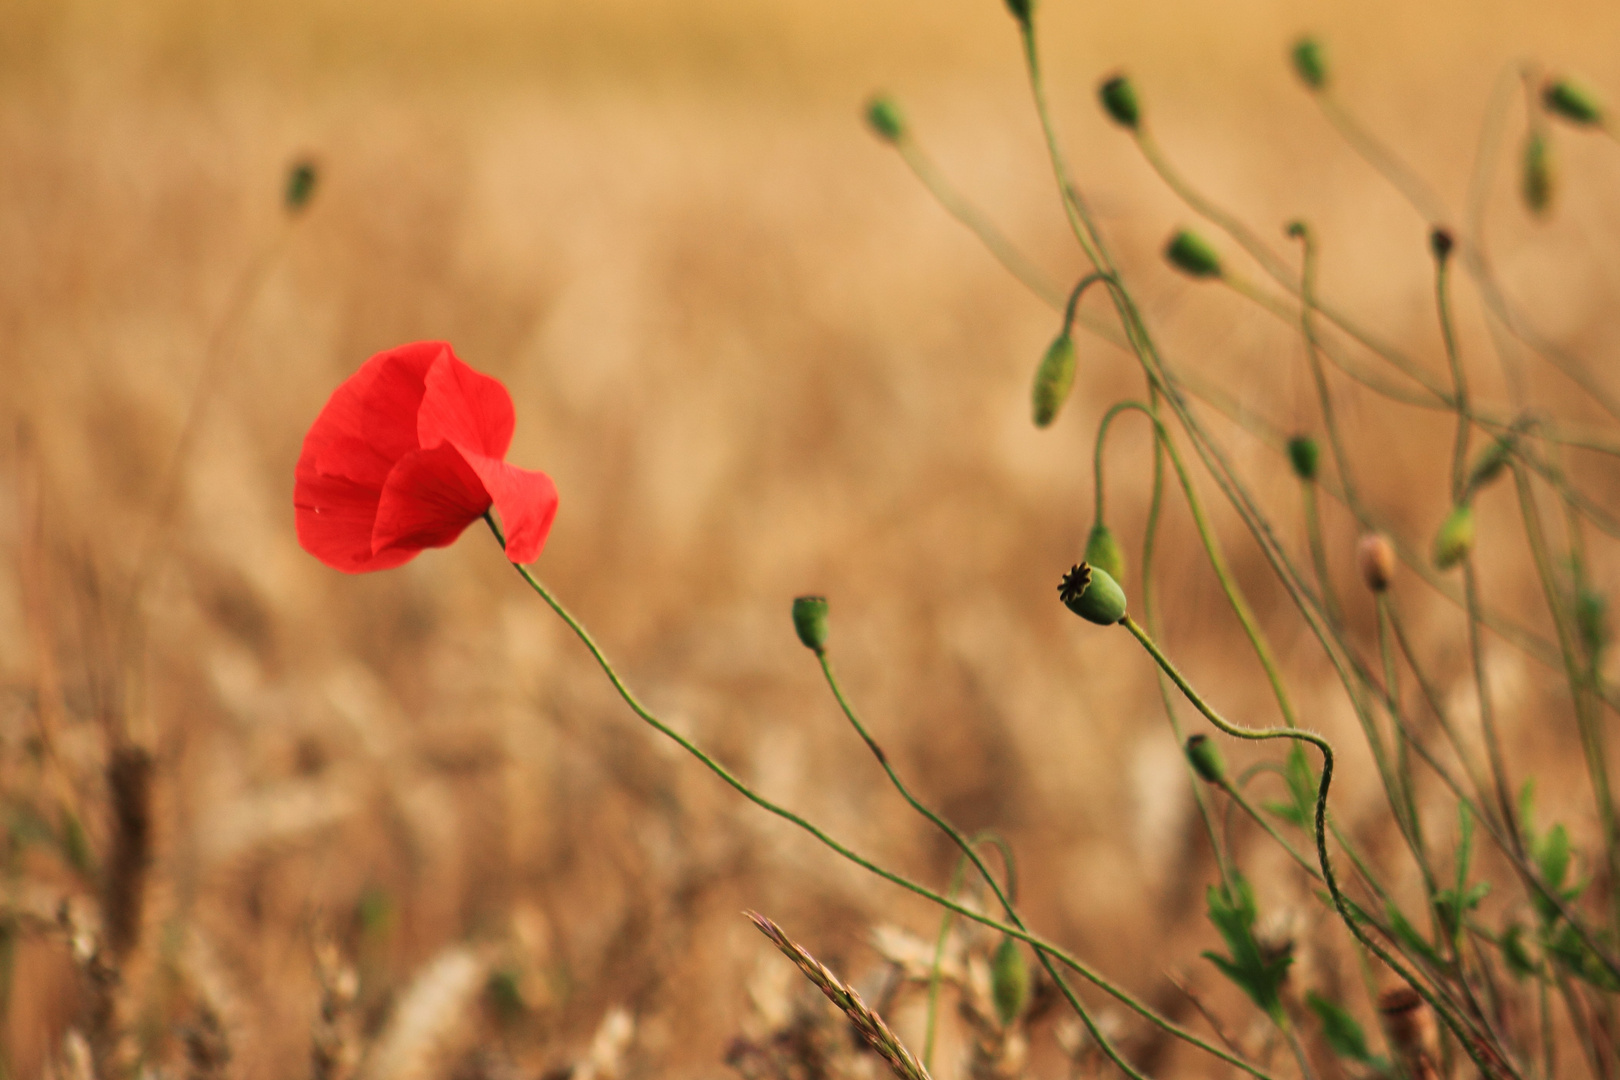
[430, 497]
[369, 423]
[465, 407]
[526, 501]
[335, 517]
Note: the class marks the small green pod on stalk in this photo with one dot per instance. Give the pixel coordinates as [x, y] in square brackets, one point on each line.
[1538, 181]
[1192, 255]
[1021, 10]
[1091, 594]
[1304, 455]
[1490, 463]
[1572, 102]
[1009, 980]
[810, 620]
[1103, 552]
[1205, 758]
[884, 118]
[1592, 621]
[1118, 99]
[301, 180]
[1456, 537]
[1441, 243]
[1309, 62]
[1053, 379]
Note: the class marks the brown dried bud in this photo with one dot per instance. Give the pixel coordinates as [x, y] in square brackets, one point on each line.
[1413, 1034]
[1375, 558]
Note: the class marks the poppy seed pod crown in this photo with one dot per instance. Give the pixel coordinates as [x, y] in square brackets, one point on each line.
[1091, 594]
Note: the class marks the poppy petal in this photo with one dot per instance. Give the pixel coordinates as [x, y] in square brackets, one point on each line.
[526, 501]
[430, 497]
[334, 516]
[369, 422]
[465, 407]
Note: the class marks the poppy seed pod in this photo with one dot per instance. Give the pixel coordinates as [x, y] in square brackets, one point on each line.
[1304, 455]
[300, 187]
[1456, 537]
[1205, 758]
[1375, 558]
[1490, 463]
[1091, 594]
[1192, 255]
[1537, 180]
[1309, 63]
[810, 620]
[1441, 242]
[1118, 99]
[1574, 103]
[883, 117]
[1009, 980]
[1053, 378]
[1104, 553]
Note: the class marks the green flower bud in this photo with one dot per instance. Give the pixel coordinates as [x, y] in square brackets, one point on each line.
[1489, 464]
[1118, 99]
[810, 620]
[1091, 594]
[301, 179]
[1538, 181]
[1440, 243]
[1009, 980]
[1309, 63]
[1053, 378]
[1592, 620]
[1192, 255]
[1456, 537]
[1104, 553]
[883, 117]
[1205, 758]
[1021, 10]
[1574, 103]
[1304, 455]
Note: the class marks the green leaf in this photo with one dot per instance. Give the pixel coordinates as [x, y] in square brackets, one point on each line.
[1257, 973]
[1300, 809]
[1515, 954]
[1409, 937]
[1340, 1029]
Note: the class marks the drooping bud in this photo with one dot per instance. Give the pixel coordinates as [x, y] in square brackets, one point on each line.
[1490, 463]
[810, 620]
[1309, 63]
[1021, 10]
[1375, 558]
[1205, 758]
[1118, 99]
[1053, 378]
[301, 180]
[1572, 102]
[1091, 594]
[1456, 537]
[1441, 242]
[1192, 255]
[1592, 621]
[1304, 455]
[1104, 553]
[1537, 180]
[1009, 980]
[884, 118]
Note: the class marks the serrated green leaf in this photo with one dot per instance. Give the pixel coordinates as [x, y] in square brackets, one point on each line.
[1340, 1029]
[1232, 910]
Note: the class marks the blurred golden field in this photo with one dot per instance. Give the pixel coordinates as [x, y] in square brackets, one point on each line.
[759, 361]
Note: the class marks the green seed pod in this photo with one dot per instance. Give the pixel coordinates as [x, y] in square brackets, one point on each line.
[1574, 103]
[884, 118]
[1538, 180]
[1118, 99]
[1009, 980]
[1489, 464]
[1104, 553]
[1205, 758]
[1091, 594]
[1192, 255]
[1309, 63]
[1305, 456]
[1592, 620]
[1053, 378]
[1456, 537]
[301, 179]
[810, 620]
[1021, 10]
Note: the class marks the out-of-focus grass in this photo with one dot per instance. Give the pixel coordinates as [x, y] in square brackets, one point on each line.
[758, 362]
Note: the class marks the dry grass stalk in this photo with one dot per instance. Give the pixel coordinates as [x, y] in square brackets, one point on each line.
[871, 1026]
[430, 1018]
[334, 1044]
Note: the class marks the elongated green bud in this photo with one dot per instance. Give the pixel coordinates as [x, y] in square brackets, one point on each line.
[1009, 980]
[1053, 378]
[1091, 594]
[1456, 537]
[1441, 243]
[1572, 102]
[1021, 10]
[1538, 180]
[1489, 464]
[1592, 620]
[1304, 455]
[884, 118]
[1104, 553]
[1309, 63]
[1118, 99]
[1192, 255]
[810, 620]
[301, 180]
[1205, 757]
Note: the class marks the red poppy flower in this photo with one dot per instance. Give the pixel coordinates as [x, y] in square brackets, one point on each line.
[407, 453]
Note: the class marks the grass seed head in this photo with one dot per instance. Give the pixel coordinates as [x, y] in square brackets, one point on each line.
[1053, 379]
[1192, 255]
[1118, 97]
[810, 620]
[1093, 595]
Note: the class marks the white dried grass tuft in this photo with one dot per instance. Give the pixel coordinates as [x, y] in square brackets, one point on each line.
[429, 1018]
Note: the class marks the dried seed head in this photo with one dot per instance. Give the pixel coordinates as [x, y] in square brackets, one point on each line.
[1572, 102]
[1538, 181]
[1456, 537]
[1441, 242]
[1192, 255]
[810, 620]
[1104, 553]
[1118, 99]
[1091, 594]
[1009, 981]
[884, 118]
[1375, 558]
[1309, 63]
[1053, 379]
[1205, 757]
[1304, 455]
[301, 180]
